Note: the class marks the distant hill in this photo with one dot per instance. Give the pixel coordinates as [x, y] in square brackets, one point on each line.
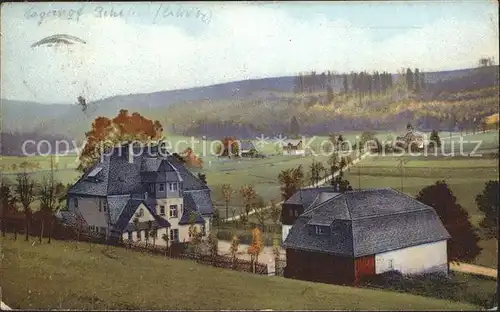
[70, 120]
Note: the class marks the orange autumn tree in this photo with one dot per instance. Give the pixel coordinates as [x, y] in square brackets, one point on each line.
[107, 132]
[256, 247]
[228, 147]
[191, 159]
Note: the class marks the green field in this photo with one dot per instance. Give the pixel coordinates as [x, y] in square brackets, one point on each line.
[260, 173]
[59, 276]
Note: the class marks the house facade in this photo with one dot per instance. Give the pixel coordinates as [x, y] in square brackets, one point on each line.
[293, 148]
[355, 234]
[247, 149]
[133, 191]
[415, 138]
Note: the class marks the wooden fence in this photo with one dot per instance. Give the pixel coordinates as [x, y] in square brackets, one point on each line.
[180, 251]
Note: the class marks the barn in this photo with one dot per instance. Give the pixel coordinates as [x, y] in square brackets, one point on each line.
[342, 237]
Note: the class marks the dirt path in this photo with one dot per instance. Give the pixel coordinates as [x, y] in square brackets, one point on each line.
[473, 269]
[265, 257]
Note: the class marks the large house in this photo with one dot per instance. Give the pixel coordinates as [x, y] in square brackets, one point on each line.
[125, 196]
[342, 237]
[293, 147]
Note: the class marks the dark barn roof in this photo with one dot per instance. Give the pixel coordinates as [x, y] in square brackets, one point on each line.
[365, 222]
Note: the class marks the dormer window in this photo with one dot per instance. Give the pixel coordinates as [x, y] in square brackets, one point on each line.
[162, 187]
[75, 202]
[320, 230]
[173, 187]
[152, 188]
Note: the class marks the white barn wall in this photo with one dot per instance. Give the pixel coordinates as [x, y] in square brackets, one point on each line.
[431, 257]
[284, 231]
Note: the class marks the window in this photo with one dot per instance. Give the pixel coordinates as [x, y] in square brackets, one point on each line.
[162, 210]
[138, 235]
[182, 208]
[203, 230]
[100, 205]
[104, 205]
[320, 230]
[173, 211]
[129, 234]
[296, 212]
[162, 187]
[173, 187]
[146, 233]
[140, 213]
[391, 264]
[174, 235]
[291, 212]
[75, 202]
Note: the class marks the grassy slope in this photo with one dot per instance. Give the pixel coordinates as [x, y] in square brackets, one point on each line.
[60, 276]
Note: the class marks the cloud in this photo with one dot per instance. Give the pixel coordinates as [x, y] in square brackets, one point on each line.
[240, 42]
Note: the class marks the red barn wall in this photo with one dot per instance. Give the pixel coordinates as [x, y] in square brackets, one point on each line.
[364, 266]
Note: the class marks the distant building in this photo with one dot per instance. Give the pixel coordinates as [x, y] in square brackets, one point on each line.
[340, 238]
[415, 138]
[293, 148]
[247, 149]
[155, 189]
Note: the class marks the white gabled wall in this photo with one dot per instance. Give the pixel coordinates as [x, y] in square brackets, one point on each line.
[284, 231]
[146, 216]
[431, 257]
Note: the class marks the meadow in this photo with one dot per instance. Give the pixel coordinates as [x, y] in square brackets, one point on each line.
[70, 275]
[261, 173]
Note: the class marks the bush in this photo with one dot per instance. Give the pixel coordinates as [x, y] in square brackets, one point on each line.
[453, 287]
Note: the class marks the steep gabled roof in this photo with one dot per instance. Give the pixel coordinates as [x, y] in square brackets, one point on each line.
[97, 185]
[366, 222]
[117, 176]
[190, 206]
[123, 222]
[307, 196]
[200, 201]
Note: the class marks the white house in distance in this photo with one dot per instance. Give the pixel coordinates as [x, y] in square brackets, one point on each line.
[293, 148]
[361, 233]
[126, 196]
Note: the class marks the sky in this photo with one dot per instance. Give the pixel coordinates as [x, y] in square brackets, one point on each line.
[147, 47]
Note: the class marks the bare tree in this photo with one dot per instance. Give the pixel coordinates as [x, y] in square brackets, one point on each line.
[249, 195]
[275, 213]
[50, 194]
[166, 240]
[153, 233]
[261, 212]
[25, 195]
[7, 204]
[227, 193]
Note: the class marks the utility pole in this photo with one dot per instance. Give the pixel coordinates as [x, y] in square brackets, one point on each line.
[359, 178]
[401, 162]
[401, 173]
